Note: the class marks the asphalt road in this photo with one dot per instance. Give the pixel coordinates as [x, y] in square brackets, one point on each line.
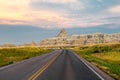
[57, 65]
[23, 70]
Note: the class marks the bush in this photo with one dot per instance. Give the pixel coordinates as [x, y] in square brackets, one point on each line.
[100, 49]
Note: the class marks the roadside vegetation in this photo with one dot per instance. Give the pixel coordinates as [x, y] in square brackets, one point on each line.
[13, 55]
[104, 56]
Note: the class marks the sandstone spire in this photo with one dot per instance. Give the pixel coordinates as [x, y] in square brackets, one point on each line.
[62, 33]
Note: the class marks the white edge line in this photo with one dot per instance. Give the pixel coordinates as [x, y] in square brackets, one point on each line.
[90, 68]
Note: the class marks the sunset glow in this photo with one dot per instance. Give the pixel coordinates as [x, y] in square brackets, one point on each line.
[65, 13]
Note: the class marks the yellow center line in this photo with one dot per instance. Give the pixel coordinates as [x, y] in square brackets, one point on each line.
[41, 70]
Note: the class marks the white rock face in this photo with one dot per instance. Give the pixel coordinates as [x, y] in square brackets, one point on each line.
[62, 33]
[63, 39]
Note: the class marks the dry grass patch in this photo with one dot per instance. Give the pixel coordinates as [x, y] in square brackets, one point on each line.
[106, 57]
[109, 56]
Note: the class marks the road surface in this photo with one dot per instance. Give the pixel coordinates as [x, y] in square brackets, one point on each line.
[57, 65]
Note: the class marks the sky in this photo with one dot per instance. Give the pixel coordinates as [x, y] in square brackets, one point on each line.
[23, 21]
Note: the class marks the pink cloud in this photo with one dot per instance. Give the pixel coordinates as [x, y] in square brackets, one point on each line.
[13, 22]
[55, 1]
[115, 9]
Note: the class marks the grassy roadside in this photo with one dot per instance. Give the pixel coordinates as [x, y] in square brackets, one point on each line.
[106, 57]
[13, 55]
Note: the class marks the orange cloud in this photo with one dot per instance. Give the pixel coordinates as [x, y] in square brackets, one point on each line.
[13, 9]
[21, 13]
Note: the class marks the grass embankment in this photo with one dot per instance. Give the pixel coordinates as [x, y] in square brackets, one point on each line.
[13, 55]
[105, 56]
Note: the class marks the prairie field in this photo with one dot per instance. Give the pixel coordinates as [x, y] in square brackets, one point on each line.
[104, 56]
[13, 55]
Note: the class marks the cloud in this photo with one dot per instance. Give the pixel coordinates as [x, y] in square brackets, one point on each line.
[55, 1]
[115, 9]
[14, 9]
[57, 14]
[57, 5]
[20, 12]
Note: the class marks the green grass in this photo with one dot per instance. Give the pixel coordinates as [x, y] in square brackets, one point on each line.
[13, 55]
[106, 57]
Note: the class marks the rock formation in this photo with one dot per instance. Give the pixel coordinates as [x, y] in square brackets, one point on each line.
[62, 33]
[62, 39]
